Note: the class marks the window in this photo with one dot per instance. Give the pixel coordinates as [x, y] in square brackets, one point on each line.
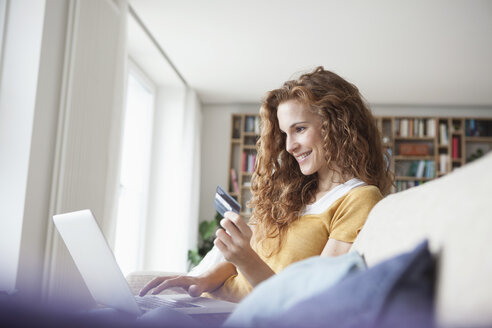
[3, 13]
[134, 172]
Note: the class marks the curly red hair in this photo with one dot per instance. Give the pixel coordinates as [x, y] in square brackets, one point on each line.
[351, 140]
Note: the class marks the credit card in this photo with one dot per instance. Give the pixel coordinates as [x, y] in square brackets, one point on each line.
[224, 202]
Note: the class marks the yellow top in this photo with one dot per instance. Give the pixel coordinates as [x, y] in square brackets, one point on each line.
[307, 237]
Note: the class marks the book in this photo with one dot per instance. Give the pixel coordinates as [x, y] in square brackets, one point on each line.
[443, 161]
[472, 129]
[404, 127]
[420, 169]
[257, 125]
[455, 150]
[413, 149]
[235, 185]
[249, 124]
[431, 128]
[250, 165]
[236, 128]
[443, 134]
[421, 132]
[244, 162]
[429, 171]
[412, 169]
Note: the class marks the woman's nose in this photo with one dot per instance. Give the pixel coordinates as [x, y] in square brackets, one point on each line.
[291, 145]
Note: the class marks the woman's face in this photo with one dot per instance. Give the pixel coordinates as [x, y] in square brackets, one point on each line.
[302, 128]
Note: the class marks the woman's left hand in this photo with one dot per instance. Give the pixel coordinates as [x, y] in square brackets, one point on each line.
[235, 244]
[235, 241]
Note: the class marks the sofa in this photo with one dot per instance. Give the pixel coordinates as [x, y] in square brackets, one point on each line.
[452, 214]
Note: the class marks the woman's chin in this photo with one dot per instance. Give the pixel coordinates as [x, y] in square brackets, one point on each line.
[307, 171]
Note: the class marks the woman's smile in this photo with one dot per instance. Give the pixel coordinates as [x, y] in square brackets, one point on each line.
[301, 157]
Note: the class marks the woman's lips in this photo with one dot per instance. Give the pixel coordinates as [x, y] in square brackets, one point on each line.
[301, 157]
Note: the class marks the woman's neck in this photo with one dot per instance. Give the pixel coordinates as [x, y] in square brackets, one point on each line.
[327, 180]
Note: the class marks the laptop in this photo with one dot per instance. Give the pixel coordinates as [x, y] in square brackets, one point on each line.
[104, 279]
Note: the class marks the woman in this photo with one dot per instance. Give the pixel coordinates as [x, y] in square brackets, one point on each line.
[321, 168]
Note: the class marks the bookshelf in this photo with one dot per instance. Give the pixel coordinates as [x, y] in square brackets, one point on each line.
[420, 148]
[245, 131]
[425, 148]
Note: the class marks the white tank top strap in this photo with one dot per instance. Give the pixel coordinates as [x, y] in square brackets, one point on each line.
[324, 202]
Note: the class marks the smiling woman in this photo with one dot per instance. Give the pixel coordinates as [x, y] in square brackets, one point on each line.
[320, 169]
[317, 133]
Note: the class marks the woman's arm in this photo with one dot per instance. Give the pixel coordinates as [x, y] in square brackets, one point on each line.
[235, 245]
[335, 247]
[207, 282]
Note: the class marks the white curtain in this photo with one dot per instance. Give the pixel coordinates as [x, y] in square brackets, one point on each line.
[173, 204]
[21, 25]
[89, 128]
[192, 148]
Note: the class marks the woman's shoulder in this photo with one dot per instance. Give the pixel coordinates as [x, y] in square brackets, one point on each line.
[366, 191]
[358, 193]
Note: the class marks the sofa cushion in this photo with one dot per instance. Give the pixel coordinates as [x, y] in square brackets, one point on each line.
[453, 212]
[395, 293]
[296, 283]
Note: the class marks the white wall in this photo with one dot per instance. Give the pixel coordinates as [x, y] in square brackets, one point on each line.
[216, 136]
[19, 77]
[216, 127]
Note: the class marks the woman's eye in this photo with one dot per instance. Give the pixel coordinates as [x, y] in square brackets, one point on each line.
[300, 129]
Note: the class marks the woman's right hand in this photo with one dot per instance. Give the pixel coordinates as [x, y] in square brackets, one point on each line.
[195, 286]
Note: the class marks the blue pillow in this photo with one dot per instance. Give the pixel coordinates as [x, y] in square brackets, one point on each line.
[398, 292]
[296, 283]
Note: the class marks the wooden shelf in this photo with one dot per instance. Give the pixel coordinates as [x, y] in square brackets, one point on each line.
[250, 134]
[413, 158]
[414, 138]
[478, 139]
[405, 178]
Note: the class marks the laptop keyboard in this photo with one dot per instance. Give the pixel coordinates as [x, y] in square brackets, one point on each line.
[149, 302]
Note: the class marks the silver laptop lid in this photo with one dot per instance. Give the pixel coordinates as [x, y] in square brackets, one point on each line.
[95, 260]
